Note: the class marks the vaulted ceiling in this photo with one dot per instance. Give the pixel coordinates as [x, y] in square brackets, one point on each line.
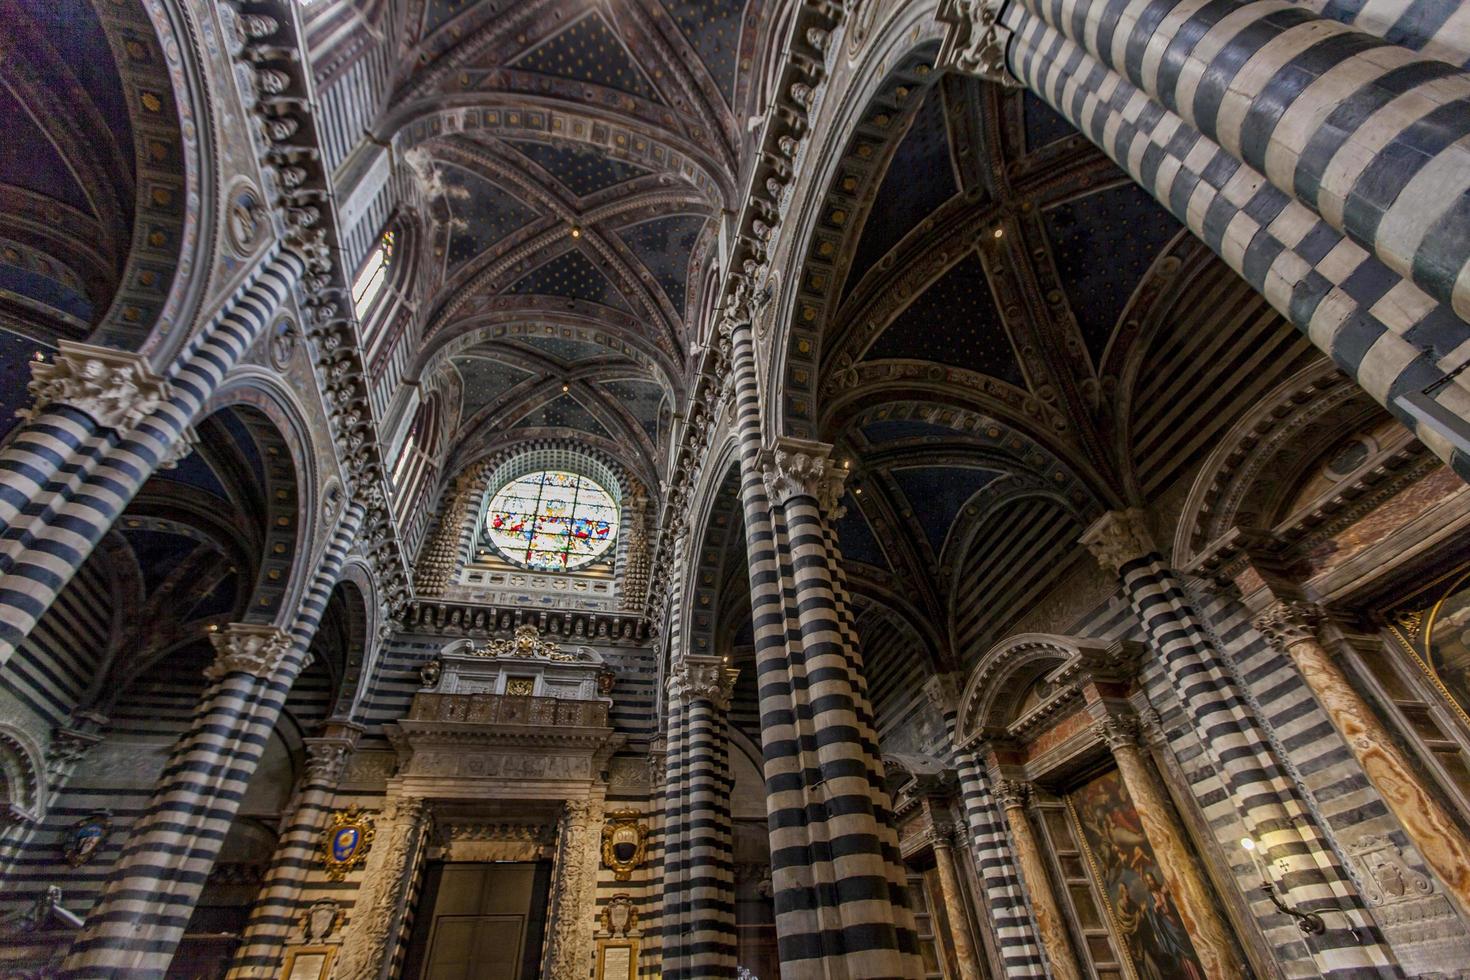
[573, 190]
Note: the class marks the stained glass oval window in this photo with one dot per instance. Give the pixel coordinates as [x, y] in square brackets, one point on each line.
[552, 521]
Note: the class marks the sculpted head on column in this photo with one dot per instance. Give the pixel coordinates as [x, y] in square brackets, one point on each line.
[247, 648]
[798, 468]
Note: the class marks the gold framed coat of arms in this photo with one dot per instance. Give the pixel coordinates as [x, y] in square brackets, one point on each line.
[346, 842]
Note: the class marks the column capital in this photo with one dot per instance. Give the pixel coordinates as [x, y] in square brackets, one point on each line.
[1118, 731]
[974, 40]
[1118, 537]
[1012, 793]
[247, 648]
[116, 388]
[326, 758]
[703, 678]
[1287, 622]
[796, 468]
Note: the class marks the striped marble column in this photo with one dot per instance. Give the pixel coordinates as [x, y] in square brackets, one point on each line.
[136, 924]
[1010, 923]
[44, 544]
[1371, 136]
[834, 913]
[1269, 807]
[674, 955]
[804, 483]
[276, 914]
[705, 861]
[1380, 329]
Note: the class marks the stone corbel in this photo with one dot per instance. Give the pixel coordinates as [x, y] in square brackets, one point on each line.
[799, 468]
[247, 648]
[974, 40]
[116, 388]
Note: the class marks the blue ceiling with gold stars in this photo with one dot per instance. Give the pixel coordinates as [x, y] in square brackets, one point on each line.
[919, 179]
[485, 380]
[580, 169]
[856, 537]
[573, 276]
[665, 245]
[563, 412]
[566, 349]
[953, 322]
[643, 399]
[484, 212]
[589, 51]
[1103, 244]
[712, 27]
[1043, 124]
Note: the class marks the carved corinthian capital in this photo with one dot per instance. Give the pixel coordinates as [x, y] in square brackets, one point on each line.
[247, 648]
[703, 678]
[797, 468]
[326, 758]
[1118, 537]
[116, 388]
[974, 40]
[1117, 731]
[1286, 623]
[1012, 793]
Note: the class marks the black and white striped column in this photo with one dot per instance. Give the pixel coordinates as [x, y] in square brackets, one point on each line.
[1371, 136]
[701, 856]
[1269, 807]
[87, 475]
[1381, 329]
[276, 914]
[675, 868]
[833, 897]
[1010, 921]
[140, 916]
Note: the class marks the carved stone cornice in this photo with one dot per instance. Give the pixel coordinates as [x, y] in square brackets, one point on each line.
[798, 468]
[247, 648]
[1288, 622]
[974, 40]
[116, 388]
[1118, 537]
[703, 679]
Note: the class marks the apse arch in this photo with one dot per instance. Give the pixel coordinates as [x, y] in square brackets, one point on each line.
[23, 790]
[358, 576]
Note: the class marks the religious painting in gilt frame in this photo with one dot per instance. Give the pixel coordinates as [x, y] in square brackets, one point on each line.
[1435, 632]
[1140, 908]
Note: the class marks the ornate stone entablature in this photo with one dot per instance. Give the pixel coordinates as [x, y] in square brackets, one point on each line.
[798, 468]
[116, 388]
[247, 648]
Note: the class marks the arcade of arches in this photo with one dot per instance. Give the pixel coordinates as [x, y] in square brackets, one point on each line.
[803, 489]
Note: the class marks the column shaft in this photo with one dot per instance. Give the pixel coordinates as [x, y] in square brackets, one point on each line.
[1371, 136]
[1050, 922]
[276, 913]
[369, 945]
[955, 910]
[709, 942]
[675, 876]
[1381, 330]
[569, 945]
[145, 905]
[1427, 823]
[1182, 873]
[40, 552]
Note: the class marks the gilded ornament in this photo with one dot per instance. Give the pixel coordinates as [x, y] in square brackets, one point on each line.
[623, 843]
[346, 842]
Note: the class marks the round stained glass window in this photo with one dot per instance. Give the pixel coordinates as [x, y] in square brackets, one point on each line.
[552, 521]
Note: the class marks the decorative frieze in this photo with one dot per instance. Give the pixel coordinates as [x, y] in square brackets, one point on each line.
[116, 388]
[247, 648]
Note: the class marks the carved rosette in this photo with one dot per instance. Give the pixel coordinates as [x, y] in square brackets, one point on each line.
[1118, 537]
[1286, 623]
[247, 648]
[116, 388]
[707, 680]
[796, 468]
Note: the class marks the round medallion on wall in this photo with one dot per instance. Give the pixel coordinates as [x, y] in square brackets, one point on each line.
[282, 343]
[245, 219]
